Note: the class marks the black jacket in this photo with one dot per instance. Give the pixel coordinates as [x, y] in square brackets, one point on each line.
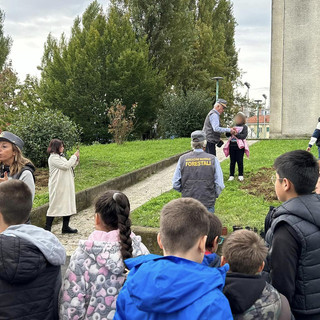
[293, 234]
[251, 297]
[242, 135]
[29, 284]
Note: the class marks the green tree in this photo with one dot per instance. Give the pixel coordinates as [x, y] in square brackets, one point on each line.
[169, 28]
[5, 42]
[103, 60]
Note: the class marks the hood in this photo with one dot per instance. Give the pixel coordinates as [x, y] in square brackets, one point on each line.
[243, 291]
[212, 260]
[168, 277]
[44, 240]
[305, 207]
[104, 248]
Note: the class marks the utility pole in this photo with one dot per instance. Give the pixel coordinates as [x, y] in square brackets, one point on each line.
[217, 86]
[258, 116]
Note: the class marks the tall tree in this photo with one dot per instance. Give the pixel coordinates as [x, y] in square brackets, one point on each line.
[169, 28]
[5, 42]
[101, 61]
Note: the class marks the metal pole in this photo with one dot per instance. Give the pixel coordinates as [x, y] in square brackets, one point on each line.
[217, 86]
[258, 116]
[217, 90]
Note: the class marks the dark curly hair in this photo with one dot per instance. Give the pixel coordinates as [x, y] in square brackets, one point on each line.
[114, 210]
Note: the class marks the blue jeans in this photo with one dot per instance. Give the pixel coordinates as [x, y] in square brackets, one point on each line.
[211, 209]
[319, 153]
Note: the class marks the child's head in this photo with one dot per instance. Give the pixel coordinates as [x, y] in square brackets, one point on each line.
[112, 213]
[240, 118]
[15, 203]
[245, 252]
[184, 225]
[215, 231]
[296, 174]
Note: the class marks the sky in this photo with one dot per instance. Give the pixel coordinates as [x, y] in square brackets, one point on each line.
[30, 22]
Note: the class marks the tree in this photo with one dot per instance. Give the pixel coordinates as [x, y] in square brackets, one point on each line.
[103, 60]
[169, 29]
[5, 42]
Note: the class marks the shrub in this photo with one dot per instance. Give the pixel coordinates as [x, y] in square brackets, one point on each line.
[183, 113]
[121, 121]
[37, 128]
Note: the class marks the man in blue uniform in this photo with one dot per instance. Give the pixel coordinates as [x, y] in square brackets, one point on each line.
[315, 139]
[212, 127]
[198, 174]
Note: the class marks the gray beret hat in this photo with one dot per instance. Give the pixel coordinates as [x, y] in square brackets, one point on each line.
[222, 102]
[12, 138]
[198, 136]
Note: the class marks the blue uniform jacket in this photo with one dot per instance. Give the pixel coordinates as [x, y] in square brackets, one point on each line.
[172, 288]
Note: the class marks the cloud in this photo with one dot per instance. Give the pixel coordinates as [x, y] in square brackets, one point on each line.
[30, 22]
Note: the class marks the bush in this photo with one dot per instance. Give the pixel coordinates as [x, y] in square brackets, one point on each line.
[37, 128]
[121, 121]
[181, 114]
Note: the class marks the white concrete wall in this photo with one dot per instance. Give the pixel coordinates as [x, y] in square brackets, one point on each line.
[295, 68]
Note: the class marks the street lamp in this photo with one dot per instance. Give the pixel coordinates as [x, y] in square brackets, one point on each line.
[258, 115]
[217, 86]
[264, 115]
[247, 84]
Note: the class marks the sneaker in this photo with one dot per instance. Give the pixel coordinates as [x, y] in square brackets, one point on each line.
[231, 178]
[240, 178]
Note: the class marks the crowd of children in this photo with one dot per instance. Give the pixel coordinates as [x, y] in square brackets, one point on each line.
[112, 275]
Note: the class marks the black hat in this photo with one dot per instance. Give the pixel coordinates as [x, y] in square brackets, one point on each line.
[12, 138]
[198, 136]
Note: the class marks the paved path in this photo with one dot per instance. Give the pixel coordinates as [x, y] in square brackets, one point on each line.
[138, 194]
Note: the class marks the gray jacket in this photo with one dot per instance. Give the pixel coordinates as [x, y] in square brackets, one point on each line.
[197, 177]
[212, 136]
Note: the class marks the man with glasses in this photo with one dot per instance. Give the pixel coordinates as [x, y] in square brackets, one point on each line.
[212, 127]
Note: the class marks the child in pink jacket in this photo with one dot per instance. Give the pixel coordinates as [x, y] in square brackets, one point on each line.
[96, 272]
[237, 146]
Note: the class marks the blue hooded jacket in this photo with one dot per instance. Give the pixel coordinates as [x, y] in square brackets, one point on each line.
[172, 288]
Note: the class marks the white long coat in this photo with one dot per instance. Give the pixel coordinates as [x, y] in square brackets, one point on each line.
[62, 198]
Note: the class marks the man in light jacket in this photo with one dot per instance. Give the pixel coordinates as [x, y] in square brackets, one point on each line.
[212, 127]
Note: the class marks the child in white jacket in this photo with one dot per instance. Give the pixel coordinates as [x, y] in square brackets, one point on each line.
[96, 272]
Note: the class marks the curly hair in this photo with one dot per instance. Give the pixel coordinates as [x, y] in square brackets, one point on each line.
[114, 210]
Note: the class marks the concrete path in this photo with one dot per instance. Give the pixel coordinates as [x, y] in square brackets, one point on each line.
[138, 194]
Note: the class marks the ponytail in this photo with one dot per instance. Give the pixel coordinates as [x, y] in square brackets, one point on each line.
[114, 209]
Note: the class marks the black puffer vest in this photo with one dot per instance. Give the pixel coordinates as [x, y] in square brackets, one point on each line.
[197, 177]
[212, 136]
[303, 215]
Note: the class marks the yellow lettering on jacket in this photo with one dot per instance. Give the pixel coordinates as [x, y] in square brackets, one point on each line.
[198, 162]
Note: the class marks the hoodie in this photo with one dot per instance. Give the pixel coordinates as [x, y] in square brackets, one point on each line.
[172, 288]
[250, 297]
[30, 277]
[95, 276]
[212, 260]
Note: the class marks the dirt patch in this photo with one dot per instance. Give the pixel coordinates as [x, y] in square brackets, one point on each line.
[42, 177]
[260, 184]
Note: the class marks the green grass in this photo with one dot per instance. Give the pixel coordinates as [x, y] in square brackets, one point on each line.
[100, 163]
[235, 206]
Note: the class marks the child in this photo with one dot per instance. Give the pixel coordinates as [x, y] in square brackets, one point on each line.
[30, 259]
[211, 259]
[315, 139]
[250, 296]
[97, 272]
[237, 146]
[176, 285]
[293, 234]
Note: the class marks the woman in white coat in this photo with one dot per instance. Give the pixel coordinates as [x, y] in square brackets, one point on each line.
[62, 198]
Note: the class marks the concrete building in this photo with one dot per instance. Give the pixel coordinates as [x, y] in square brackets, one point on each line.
[295, 68]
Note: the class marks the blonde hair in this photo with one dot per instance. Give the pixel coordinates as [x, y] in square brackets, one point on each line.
[19, 161]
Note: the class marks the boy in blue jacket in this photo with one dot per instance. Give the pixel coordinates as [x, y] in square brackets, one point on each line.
[176, 285]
